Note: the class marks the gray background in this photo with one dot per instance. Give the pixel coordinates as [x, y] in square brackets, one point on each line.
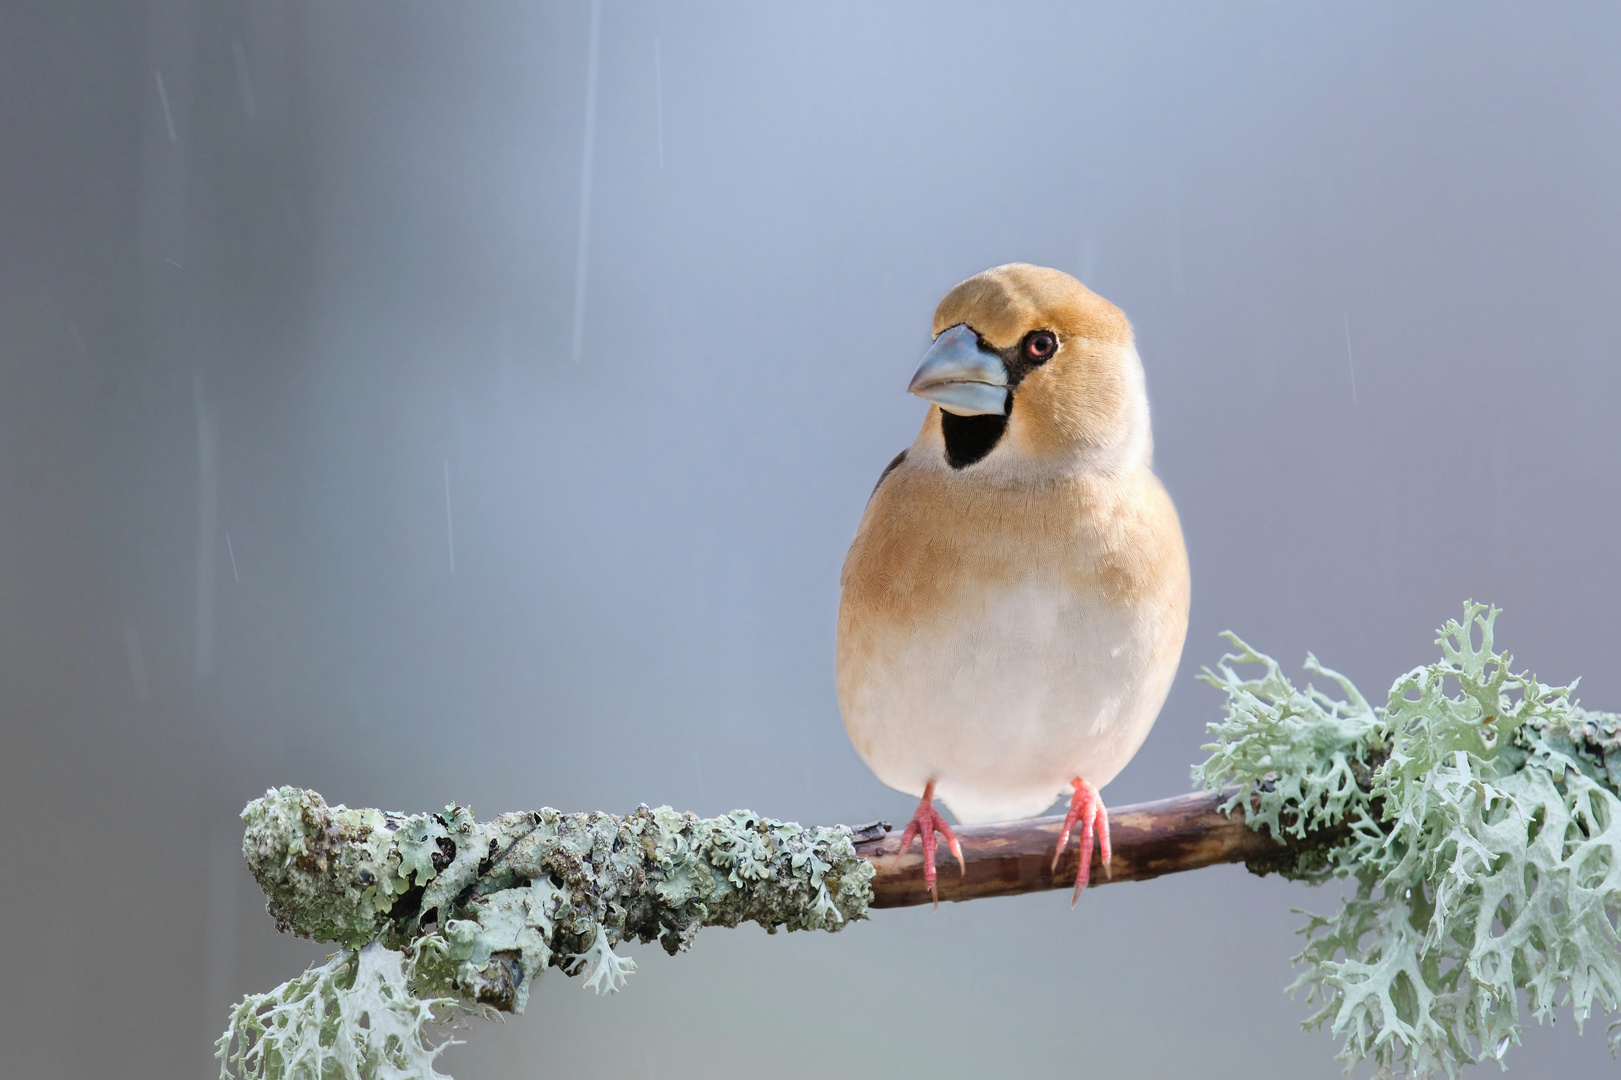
[344, 263]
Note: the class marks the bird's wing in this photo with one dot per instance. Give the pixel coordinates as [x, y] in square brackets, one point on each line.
[891, 467]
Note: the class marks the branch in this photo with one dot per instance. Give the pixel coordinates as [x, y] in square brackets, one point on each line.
[495, 903]
[505, 899]
[1166, 836]
[352, 876]
[439, 912]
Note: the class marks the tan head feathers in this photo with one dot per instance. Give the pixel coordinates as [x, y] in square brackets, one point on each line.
[1085, 406]
[1006, 302]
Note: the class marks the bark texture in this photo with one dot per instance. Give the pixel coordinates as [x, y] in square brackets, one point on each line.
[1166, 836]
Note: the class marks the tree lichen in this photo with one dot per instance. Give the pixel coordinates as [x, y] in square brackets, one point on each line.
[353, 1016]
[1477, 812]
[485, 908]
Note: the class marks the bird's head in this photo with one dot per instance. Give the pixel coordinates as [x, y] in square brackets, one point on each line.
[1033, 373]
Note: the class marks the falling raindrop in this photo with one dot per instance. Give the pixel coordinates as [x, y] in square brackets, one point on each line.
[1500, 519]
[137, 662]
[163, 96]
[1349, 357]
[658, 94]
[583, 243]
[244, 82]
[450, 522]
[208, 488]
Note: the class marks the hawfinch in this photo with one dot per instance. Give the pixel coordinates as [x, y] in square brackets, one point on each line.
[1015, 600]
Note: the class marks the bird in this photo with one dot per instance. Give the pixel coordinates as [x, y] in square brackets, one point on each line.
[1015, 600]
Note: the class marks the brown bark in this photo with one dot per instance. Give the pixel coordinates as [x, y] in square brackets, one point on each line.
[1162, 837]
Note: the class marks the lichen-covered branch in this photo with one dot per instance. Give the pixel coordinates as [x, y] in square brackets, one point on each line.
[439, 912]
[503, 900]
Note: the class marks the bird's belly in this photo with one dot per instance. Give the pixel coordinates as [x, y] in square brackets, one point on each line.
[1003, 709]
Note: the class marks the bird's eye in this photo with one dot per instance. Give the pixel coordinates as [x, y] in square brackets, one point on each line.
[1040, 345]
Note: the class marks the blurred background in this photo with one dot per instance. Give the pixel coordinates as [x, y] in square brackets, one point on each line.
[430, 402]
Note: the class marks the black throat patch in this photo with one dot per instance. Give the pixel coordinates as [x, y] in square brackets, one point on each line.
[970, 438]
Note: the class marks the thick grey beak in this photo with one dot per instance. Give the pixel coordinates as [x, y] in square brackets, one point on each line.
[960, 377]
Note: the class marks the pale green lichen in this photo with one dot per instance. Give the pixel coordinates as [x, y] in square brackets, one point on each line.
[605, 971]
[353, 1017]
[485, 908]
[1302, 759]
[335, 874]
[1477, 812]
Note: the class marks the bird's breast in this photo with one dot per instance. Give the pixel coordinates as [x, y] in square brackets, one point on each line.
[1004, 642]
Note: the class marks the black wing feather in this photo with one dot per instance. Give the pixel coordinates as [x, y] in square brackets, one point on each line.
[891, 467]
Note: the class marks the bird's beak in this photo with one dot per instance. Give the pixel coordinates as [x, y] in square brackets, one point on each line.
[960, 377]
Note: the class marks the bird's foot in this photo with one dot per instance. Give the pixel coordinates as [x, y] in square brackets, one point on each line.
[925, 823]
[1085, 806]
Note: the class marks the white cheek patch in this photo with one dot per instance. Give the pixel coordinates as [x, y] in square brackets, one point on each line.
[1136, 449]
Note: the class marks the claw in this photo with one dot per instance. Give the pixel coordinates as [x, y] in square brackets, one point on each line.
[925, 823]
[1087, 808]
